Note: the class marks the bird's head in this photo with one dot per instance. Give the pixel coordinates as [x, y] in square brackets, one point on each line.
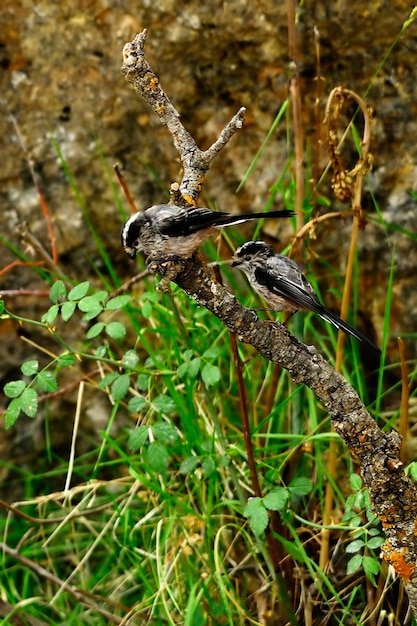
[250, 253]
[130, 235]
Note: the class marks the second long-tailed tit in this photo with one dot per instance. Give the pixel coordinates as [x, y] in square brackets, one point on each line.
[280, 282]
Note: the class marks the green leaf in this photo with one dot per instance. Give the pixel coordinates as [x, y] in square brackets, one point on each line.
[257, 515]
[47, 381]
[50, 315]
[375, 542]
[118, 302]
[293, 550]
[115, 330]
[120, 386]
[1, 306]
[130, 359]
[93, 302]
[354, 564]
[194, 367]
[158, 457]
[29, 402]
[67, 310]
[276, 499]
[138, 437]
[355, 546]
[143, 382]
[146, 309]
[164, 404]
[189, 464]
[355, 482]
[79, 291]
[108, 379]
[14, 388]
[300, 486]
[66, 359]
[136, 404]
[95, 330]
[210, 374]
[12, 412]
[165, 432]
[208, 466]
[371, 566]
[57, 291]
[91, 307]
[29, 368]
[212, 353]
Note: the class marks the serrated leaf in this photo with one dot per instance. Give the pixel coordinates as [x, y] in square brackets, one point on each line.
[375, 542]
[57, 291]
[12, 413]
[210, 374]
[66, 359]
[371, 566]
[252, 505]
[158, 457]
[189, 464]
[138, 437]
[67, 310]
[142, 382]
[118, 302]
[130, 359]
[276, 499]
[355, 546]
[257, 515]
[88, 302]
[116, 330]
[79, 291]
[91, 307]
[29, 402]
[354, 564]
[29, 368]
[136, 404]
[14, 388]
[47, 381]
[108, 379]
[355, 482]
[300, 486]
[95, 330]
[164, 404]
[212, 353]
[165, 432]
[50, 316]
[208, 466]
[120, 386]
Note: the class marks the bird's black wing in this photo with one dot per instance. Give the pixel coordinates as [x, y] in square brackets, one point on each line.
[295, 288]
[176, 221]
[289, 284]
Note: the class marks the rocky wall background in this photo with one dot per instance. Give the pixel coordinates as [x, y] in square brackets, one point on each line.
[60, 77]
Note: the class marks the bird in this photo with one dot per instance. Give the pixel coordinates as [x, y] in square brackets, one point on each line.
[280, 282]
[168, 229]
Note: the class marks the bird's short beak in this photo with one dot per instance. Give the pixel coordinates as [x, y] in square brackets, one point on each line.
[235, 263]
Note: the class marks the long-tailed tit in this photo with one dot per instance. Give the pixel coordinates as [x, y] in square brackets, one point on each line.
[167, 229]
[279, 281]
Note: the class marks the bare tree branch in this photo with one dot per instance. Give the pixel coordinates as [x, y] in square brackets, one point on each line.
[196, 162]
[393, 494]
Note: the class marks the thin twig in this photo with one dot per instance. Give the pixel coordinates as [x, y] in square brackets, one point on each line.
[196, 162]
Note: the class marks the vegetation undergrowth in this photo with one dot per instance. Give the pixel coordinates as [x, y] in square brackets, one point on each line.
[135, 503]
